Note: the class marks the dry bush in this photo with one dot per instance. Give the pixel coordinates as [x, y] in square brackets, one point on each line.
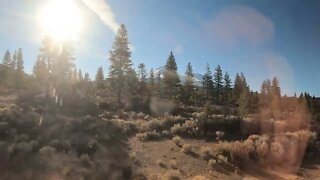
[189, 128]
[147, 136]
[177, 140]
[188, 149]
[283, 150]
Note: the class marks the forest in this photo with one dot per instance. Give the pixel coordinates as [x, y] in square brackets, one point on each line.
[58, 123]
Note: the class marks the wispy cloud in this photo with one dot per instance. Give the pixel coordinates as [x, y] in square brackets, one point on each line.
[239, 24]
[103, 10]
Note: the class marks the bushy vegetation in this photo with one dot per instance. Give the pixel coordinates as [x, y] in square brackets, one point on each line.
[60, 147]
[283, 151]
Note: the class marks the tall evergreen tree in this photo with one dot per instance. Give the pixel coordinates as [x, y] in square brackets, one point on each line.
[40, 70]
[20, 69]
[7, 58]
[158, 84]
[142, 73]
[207, 82]
[218, 83]
[80, 76]
[276, 98]
[227, 88]
[151, 81]
[189, 83]
[87, 77]
[121, 63]
[99, 81]
[13, 63]
[237, 87]
[171, 80]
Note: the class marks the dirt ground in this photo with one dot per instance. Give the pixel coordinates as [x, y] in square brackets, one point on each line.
[154, 158]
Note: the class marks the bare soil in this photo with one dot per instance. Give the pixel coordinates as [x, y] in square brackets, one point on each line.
[148, 154]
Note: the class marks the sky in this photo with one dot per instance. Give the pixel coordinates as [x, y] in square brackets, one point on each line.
[262, 38]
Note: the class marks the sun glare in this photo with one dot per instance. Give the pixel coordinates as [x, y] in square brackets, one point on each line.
[61, 19]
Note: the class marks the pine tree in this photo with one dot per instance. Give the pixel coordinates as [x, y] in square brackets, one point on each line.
[159, 86]
[218, 83]
[189, 83]
[276, 98]
[237, 87]
[80, 76]
[63, 63]
[121, 63]
[207, 82]
[99, 81]
[227, 88]
[265, 93]
[4, 74]
[132, 83]
[171, 80]
[7, 58]
[48, 52]
[13, 63]
[142, 75]
[20, 69]
[151, 81]
[75, 75]
[244, 100]
[40, 70]
[87, 77]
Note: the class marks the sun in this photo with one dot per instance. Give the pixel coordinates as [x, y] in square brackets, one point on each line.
[61, 20]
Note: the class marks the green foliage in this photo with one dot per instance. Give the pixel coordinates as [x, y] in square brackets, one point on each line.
[121, 65]
[218, 84]
[171, 80]
[99, 81]
[207, 83]
[227, 88]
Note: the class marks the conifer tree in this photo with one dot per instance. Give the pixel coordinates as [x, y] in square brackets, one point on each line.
[142, 76]
[275, 98]
[99, 81]
[13, 63]
[227, 88]
[151, 81]
[218, 83]
[7, 58]
[121, 64]
[80, 76]
[189, 83]
[20, 69]
[86, 77]
[171, 80]
[207, 82]
[158, 84]
[40, 71]
[237, 87]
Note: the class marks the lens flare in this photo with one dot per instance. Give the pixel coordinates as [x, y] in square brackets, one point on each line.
[61, 19]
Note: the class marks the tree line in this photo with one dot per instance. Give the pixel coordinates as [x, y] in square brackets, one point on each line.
[124, 86]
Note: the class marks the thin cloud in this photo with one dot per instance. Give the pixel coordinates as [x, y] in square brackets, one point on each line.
[103, 10]
[239, 24]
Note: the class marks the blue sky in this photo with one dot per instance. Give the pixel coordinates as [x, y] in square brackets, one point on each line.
[262, 38]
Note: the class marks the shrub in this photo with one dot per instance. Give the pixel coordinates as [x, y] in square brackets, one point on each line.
[146, 136]
[188, 149]
[177, 140]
